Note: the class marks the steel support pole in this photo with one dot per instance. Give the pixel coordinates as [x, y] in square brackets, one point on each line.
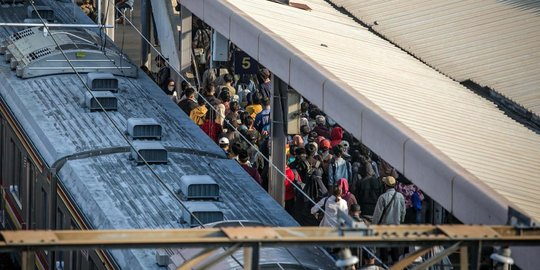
[146, 14]
[255, 254]
[109, 18]
[185, 40]
[99, 12]
[276, 185]
[28, 259]
[247, 257]
[475, 253]
[464, 257]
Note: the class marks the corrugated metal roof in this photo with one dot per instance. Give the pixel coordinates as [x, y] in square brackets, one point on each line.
[495, 43]
[454, 144]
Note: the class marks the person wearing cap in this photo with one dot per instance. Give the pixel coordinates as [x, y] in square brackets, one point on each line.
[369, 261]
[354, 213]
[389, 210]
[320, 127]
[224, 144]
[243, 159]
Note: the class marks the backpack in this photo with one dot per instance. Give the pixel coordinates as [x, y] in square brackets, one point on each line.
[315, 187]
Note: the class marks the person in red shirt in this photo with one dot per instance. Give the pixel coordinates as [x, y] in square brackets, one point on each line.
[210, 127]
[289, 189]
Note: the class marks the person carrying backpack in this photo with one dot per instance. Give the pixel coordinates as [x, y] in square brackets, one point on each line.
[338, 167]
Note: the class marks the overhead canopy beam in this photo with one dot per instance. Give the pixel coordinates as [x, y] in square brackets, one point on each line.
[423, 235]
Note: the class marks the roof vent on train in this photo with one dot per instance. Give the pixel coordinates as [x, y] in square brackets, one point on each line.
[107, 99]
[45, 12]
[32, 52]
[151, 152]
[144, 128]
[196, 187]
[102, 81]
[206, 212]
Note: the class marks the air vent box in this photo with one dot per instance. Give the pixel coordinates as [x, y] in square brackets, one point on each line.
[102, 82]
[143, 128]
[45, 12]
[199, 187]
[162, 258]
[107, 99]
[152, 152]
[206, 212]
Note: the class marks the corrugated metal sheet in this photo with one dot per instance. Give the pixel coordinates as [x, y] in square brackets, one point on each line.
[456, 145]
[495, 43]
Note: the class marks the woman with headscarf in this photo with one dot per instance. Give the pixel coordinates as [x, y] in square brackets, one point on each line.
[336, 136]
[346, 194]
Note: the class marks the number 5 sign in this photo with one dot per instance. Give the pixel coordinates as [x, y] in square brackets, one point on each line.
[244, 64]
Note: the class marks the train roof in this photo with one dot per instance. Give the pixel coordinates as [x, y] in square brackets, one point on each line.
[110, 189]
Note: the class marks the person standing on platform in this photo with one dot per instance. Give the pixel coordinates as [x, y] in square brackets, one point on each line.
[189, 103]
[243, 159]
[338, 167]
[122, 5]
[390, 210]
[199, 113]
[331, 206]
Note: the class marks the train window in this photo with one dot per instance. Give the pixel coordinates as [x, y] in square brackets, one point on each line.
[16, 172]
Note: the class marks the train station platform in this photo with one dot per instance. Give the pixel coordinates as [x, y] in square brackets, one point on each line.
[457, 146]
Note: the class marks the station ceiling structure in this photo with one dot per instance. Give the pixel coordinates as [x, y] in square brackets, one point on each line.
[457, 146]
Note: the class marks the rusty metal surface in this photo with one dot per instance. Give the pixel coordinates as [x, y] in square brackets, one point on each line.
[467, 231]
[251, 233]
[402, 235]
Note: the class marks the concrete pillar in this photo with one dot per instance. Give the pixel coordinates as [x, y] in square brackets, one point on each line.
[276, 186]
[185, 41]
[146, 14]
